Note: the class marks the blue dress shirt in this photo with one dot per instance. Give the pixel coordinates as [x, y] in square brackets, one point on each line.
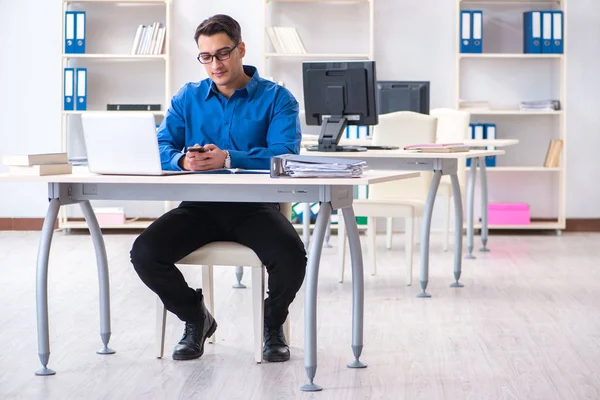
[257, 122]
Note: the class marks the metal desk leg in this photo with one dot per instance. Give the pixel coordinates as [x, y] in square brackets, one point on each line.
[358, 287]
[470, 209]
[103, 281]
[41, 289]
[310, 300]
[425, 232]
[458, 224]
[239, 273]
[484, 205]
[306, 226]
[328, 236]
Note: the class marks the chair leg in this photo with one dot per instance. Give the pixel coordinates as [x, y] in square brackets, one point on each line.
[208, 293]
[258, 290]
[372, 240]
[287, 330]
[389, 230]
[417, 226]
[447, 223]
[161, 322]
[341, 247]
[408, 232]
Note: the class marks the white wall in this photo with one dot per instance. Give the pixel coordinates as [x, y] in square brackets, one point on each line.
[414, 41]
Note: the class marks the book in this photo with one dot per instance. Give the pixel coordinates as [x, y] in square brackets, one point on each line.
[35, 159]
[133, 107]
[553, 153]
[40, 170]
[438, 147]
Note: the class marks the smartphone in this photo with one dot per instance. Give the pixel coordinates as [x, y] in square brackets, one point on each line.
[197, 149]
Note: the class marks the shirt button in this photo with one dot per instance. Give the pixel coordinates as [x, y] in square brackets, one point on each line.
[226, 123]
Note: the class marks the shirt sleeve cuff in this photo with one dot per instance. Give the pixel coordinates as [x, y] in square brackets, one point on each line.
[235, 156]
[175, 162]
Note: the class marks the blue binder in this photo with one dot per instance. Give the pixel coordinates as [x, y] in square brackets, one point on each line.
[471, 135]
[490, 133]
[546, 31]
[476, 31]
[81, 89]
[80, 25]
[69, 32]
[532, 32]
[557, 32]
[465, 31]
[69, 89]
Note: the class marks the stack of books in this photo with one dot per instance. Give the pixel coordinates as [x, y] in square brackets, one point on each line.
[285, 40]
[553, 154]
[38, 164]
[438, 147]
[149, 39]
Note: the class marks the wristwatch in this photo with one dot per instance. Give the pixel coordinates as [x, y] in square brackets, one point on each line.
[227, 163]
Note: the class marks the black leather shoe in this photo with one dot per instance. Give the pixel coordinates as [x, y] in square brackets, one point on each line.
[191, 345]
[276, 348]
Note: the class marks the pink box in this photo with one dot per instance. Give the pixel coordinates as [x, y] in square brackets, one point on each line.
[110, 215]
[508, 214]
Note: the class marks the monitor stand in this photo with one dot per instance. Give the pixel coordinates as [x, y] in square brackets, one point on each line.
[332, 129]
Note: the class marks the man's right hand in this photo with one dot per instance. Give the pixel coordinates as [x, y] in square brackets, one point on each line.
[190, 161]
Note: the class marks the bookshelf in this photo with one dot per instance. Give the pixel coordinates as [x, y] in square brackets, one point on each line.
[322, 25]
[503, 75]
[114, 75]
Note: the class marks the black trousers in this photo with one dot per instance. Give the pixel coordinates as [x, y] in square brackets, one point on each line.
[259, 226]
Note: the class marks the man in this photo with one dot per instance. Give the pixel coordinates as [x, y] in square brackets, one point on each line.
[239, 120]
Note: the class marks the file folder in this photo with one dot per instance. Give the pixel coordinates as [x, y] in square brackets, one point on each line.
[490, 134]
[69, 32]
[471, 135]
[80, 32]
[68, 90]
[465, 31]
[557, 32]
[81, 89]
[477, 32]
[532, 32]
[546, 31]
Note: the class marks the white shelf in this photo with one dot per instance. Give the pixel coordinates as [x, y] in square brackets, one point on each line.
[511, 112]
[532, 225]
[523, 169]
[511, 55]
[142, 2]
[512, 1]
[317, 55]
[318, 1]
[77, 112]
[133, 57]
[126, 225]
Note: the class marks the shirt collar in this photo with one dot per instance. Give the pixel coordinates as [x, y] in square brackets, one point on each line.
[248, 90]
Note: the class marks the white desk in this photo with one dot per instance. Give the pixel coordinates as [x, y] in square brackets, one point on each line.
[81, 188]
[440, 164]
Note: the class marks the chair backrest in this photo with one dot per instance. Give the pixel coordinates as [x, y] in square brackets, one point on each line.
[403, 128]
[452, 127]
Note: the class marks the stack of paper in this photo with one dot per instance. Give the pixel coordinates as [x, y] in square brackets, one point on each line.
[297, 166]
[540, 105]
[37, 164]
[438, 147]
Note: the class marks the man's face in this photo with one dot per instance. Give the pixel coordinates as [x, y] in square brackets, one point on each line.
[230, 67]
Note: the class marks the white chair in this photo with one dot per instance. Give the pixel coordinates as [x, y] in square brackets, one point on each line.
[452, 127]
[404, 199]
[231, 254]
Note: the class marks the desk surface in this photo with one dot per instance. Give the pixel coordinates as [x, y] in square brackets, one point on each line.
[369, 177]
[359, 155]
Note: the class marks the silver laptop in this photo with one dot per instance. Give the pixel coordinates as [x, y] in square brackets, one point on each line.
[122, 143]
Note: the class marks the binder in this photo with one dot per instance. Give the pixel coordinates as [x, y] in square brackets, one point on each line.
[557, 32]
[81, 89]
[477, 32]
[68, 89]
[471, 135]
[69, 32]
[546, 31]
[80, 25]
[465, 31]
[532, 32]
[490, 134]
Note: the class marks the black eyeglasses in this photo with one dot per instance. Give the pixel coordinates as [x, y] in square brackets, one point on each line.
[221, 55]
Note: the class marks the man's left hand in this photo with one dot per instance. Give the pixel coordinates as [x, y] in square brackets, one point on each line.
[214, 158]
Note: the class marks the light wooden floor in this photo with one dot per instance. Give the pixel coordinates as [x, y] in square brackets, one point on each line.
[525, 326]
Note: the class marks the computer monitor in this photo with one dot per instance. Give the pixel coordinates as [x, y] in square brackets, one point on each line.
[402, 96]
[337, 94]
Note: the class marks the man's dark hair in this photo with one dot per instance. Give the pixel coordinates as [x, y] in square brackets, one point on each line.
[220, 23]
